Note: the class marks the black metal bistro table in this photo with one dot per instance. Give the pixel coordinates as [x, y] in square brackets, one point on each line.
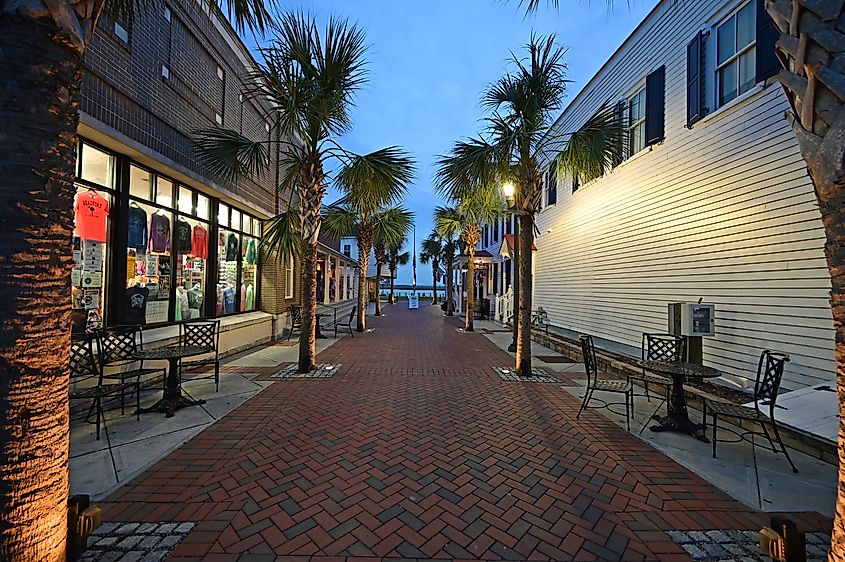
[678, 418]
[172, 399]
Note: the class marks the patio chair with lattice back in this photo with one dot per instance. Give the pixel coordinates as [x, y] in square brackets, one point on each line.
[766, 386]
[588, 350]
[348, 324]
[295, 312]
[86, 378]
[204, 334]
[118, 346]
[659, 347]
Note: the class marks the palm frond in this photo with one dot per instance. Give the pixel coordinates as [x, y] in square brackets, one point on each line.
[468, 164]
[338, 221]
[375, 180]
[283, 234]
[392, 225]
[253, 14]
[448, 223]
[229, 154]
[594, 148]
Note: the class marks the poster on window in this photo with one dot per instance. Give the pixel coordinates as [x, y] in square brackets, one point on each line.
[156, 311]
[92, 279]
[92, 254]
[91, 299]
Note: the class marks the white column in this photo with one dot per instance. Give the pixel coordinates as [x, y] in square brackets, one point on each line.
[326, 273]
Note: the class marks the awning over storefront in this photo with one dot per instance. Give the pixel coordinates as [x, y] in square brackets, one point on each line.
[506, 249]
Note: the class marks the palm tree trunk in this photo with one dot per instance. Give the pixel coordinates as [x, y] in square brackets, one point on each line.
[450, 262]
[38, 119]
[811, 47]
[364, 247]
[523, 340]
[392, 279]
[308, 336]
[434, 268]
[378, 288]
[470, 311]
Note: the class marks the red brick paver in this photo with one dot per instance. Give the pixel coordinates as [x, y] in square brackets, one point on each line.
[415, 449]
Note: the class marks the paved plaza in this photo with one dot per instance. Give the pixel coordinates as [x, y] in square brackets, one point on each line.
[414, 447]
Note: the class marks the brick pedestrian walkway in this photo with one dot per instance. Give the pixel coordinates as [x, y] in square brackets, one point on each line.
[416, 449]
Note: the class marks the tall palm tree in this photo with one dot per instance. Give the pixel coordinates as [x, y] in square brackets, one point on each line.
[518, 137]
[42, 45]
[354, 214]
[447, 225]
[311, 79]
[380, 255]
[395, 258]
[475, 204]
[432, 251]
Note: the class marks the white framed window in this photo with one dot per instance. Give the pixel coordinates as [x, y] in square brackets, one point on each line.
[289, 276]
[736, 42]
[636, 123]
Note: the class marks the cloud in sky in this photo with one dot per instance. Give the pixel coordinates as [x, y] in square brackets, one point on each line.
[429, 61]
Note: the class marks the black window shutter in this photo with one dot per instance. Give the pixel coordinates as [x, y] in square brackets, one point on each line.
[695, 101]
[767, 35]
[576, 183]
[654, 106]
[551, 193]
[621, 149]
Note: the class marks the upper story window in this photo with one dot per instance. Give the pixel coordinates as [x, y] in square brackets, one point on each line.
[736, 54]
[551, 184]
[636, 122]
[347, 250]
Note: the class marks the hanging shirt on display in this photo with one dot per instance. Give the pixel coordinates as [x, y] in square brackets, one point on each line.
[251, 253]
[219, 307]
[195, 298]
[92, 212]
[243, 298]
[183, 237]
[137, 229]
[250, 297]
[159, 233]
[199, 242]
[229, 300]
[232, 248]
[136, 305]
[182, 304]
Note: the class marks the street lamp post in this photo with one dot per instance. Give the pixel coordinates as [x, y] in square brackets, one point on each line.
[510, 195]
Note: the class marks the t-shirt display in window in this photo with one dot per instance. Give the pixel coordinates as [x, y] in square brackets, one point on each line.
[159, 233]
[91, 216]
[137, 228]
[199, 242]
[229, 300]
[195, 298]
[136, 305]
[232, 248]
[250, 297]
[251, 253]
[183, 236]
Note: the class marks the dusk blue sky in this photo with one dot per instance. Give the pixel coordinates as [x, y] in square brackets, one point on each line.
[429, 61]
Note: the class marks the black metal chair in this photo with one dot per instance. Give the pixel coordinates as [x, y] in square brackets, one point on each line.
[118, 346]
[348, 325]
[769, 375]
[295, 312]
[659, 347]
[204, 334]
[86, 377]
[593, 383]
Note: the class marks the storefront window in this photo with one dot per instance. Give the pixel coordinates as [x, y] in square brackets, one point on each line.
[228, 249]
[203, 207]
[140, 183]
[92, 209]
[250, 273]
[96, 166]
[148, 264]
[164, 192]
[191, 263]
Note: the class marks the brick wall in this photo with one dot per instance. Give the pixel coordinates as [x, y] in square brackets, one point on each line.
[126, 88]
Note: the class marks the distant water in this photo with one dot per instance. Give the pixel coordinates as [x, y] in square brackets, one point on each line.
[423, 292]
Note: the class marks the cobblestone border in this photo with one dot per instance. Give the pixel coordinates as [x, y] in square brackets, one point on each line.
[321, 371]
[739, 546]
[540, 375]
[134, 542]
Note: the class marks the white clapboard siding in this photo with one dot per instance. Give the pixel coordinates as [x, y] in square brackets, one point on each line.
[723, 211]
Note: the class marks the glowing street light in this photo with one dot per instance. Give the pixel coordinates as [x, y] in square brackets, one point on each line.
[509, 190]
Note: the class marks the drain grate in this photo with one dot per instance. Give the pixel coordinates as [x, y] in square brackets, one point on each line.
[321, 371]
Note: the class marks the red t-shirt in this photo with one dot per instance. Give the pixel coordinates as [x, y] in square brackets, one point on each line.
[199, 242]
[92, 212]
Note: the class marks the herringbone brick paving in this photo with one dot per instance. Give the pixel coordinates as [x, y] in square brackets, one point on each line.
[416, 449]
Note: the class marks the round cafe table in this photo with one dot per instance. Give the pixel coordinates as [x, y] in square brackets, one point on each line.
[172, 399]
[678, 416]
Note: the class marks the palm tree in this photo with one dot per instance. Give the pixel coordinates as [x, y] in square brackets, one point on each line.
[477, 201]
[447, 224]
[41, 51]
[432, 251]
[380, 254]
[355, 213]
[395, 258]
[514, 146]
[311, 79]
